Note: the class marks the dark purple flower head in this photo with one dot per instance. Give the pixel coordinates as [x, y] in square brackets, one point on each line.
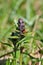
[21, 25]
[20, 21]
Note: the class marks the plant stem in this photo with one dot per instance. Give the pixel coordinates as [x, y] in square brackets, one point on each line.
[21, 55]
[20, 58]
[15, 54]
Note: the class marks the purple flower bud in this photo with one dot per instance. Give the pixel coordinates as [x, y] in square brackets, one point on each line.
[21, 25]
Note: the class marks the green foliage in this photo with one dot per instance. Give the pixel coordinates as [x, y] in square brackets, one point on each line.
[10, 12]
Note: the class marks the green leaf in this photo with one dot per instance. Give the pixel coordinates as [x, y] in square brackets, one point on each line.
[7, 44]
[13, 37]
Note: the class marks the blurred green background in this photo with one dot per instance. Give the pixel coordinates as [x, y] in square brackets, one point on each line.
[28, 10]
